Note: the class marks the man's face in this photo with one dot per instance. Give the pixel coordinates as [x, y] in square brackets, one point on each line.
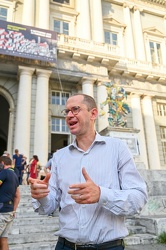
[79, 123]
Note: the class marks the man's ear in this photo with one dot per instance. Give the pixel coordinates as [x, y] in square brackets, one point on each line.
[94, 113]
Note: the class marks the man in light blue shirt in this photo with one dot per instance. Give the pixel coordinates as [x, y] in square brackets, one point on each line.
[95, 182]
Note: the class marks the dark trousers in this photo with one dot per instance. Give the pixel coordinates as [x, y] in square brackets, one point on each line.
[19, 173]
[60, 246]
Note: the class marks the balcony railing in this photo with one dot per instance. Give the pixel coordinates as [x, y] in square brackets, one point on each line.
[87, 45]
[104, 50]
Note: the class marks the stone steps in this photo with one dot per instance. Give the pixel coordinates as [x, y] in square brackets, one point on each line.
[140, 239]
[22, 229]
[34, 246]
[33, 231]
[153, 225]
[42, 220]
[31, 237]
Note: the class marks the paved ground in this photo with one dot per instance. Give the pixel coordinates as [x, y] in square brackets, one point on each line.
[147, 247]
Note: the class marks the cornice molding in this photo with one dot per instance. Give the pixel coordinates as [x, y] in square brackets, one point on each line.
[159, 2]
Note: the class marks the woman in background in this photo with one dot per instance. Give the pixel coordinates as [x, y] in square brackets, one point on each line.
[33, 168]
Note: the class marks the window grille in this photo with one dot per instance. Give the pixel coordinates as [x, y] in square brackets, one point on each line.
[161, 109]
[155, 51]
[61, 27]
[163, 141]
[59, 98]
[58, 125]
[3, 14]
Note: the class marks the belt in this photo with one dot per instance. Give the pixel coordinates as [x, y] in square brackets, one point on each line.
[101, 246]
[7, 203]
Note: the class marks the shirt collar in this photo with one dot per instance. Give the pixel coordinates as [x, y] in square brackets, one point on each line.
[98, 139]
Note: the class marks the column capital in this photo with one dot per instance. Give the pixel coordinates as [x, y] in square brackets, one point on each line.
[135, 8]
[101, 82]
[127, 5]
[27, 70]
[136, 94]
[147, 97]
[43, 72]
[84, 79]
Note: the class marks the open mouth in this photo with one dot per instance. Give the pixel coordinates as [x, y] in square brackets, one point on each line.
[72, 123]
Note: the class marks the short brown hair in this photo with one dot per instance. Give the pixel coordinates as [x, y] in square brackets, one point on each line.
[7, 161]
[88, 101]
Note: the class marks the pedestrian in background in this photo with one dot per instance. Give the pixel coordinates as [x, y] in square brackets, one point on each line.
[9, 199]
[95, 182]
[18, 161]
[34, 167]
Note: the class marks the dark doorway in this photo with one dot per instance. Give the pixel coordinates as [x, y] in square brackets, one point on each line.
[4, 123]
[58, 141]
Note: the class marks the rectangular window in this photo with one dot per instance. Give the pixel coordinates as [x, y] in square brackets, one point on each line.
[61, 27]
[55, 99]
[161, 109]
[62, 1]
[59, 125]
[64, 98]
[155, 51]
[3, 14]
[163, 141]
[59, 98]
[111, 38]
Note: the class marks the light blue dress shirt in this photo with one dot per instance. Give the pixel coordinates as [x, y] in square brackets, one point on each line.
[110, 165]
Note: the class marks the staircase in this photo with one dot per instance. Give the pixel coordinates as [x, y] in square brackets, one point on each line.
[145, 228]
[30, 230]
[33, 231]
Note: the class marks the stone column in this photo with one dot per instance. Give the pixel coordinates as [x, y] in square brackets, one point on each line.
[129, 42]
[150, 131]
[23, 112]
[41, 116]
[138, 124]
[87, 86]
[138, 33]
[43, 14]
[10, 131]
[103, 113]
[28, 12]
[163, 48]
[83, 19]
[97, 21]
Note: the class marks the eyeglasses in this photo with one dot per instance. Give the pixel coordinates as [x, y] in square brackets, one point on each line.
[75, 110]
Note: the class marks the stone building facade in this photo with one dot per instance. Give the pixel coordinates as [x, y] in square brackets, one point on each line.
[98, 41]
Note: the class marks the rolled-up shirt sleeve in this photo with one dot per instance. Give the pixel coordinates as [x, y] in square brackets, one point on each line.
[131, 196]
[50, 203]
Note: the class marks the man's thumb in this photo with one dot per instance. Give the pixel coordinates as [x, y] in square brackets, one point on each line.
[46, 179]
[86, 176]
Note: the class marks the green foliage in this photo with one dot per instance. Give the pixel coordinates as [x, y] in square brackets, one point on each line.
[117, 108]
[162, 238]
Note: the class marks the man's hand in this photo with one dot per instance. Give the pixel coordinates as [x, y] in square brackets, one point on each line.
[39, 188]
[85, 193]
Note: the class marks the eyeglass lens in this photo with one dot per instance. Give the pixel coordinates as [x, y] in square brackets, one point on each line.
[75, 110]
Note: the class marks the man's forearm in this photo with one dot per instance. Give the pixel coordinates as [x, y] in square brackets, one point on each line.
[16, 202]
